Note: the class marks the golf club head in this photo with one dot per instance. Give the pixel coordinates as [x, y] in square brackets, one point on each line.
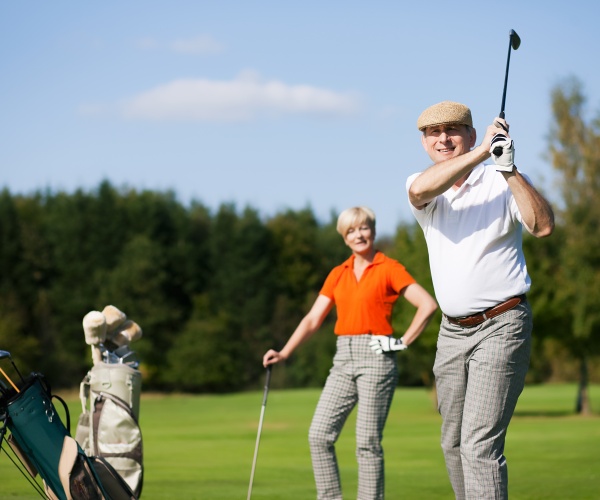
[5, 354]
[515, 40]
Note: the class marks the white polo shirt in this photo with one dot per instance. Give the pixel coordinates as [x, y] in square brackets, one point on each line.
[474, 239]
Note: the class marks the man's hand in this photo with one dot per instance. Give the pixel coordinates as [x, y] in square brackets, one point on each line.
[382, 343]
[506, 147]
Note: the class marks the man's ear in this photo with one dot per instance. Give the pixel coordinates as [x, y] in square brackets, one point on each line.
[473, 137]
[423, 141]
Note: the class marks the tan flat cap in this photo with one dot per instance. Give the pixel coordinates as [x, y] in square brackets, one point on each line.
[443, 113]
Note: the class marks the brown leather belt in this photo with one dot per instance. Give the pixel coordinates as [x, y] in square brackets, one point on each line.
[477, 319]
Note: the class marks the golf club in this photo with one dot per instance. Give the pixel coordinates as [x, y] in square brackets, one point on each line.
[262, 414]
[9, 380]
[6, 354]
[514, 43]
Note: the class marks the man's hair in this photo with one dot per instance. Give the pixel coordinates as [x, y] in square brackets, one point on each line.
[355, 216]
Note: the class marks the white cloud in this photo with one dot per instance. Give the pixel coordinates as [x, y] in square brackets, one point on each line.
[203, 44]
[241, 99]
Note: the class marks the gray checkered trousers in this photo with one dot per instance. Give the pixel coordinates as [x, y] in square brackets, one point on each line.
[480, 373]
[359, 377]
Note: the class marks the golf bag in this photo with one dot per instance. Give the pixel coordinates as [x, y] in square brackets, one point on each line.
[108, 426]
[42, 445]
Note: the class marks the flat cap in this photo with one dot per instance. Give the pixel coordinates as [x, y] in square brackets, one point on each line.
[443, 113]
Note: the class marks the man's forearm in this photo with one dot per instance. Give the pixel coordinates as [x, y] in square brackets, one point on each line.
[440, 177]
[536, 213]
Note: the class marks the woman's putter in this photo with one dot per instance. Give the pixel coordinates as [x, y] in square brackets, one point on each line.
[262, 415]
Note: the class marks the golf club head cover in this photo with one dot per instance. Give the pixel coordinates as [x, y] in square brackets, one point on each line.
[94, 327]
[383, 343]
[505, 161]
[114, 318]
[126, 333]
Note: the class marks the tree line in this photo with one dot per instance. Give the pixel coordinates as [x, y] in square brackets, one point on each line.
[213, 291]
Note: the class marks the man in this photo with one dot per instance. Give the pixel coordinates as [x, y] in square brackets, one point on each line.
[472, 216]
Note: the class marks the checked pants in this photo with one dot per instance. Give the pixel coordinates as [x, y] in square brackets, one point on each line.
[359, 377]
[480, 373]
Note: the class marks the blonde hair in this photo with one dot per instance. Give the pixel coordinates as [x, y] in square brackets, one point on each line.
[353, 217]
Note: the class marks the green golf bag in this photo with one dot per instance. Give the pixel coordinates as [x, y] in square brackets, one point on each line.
[43, 445]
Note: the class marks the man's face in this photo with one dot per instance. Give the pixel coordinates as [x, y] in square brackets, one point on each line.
[442, 142]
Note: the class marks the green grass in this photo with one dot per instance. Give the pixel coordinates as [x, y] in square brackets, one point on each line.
[201, 447]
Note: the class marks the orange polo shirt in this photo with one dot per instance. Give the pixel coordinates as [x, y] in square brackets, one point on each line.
[365, 306]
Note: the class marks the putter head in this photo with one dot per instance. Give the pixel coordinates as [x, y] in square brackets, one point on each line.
[515, 40]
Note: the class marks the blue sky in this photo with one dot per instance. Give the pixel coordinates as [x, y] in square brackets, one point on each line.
[273, 104]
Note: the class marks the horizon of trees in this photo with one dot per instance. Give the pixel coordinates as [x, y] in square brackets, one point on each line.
[213, 291]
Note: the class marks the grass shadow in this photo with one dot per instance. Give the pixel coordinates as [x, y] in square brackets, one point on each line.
[543, 413]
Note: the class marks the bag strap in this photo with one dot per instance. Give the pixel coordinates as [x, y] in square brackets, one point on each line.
[46, 385]
[68, 415]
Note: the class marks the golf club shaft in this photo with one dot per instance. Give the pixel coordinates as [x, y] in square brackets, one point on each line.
[513, 42]
[9, 380]
[6, 354]
[501, 115]
[260, 423]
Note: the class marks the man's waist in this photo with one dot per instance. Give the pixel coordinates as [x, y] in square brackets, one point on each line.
[478, 318]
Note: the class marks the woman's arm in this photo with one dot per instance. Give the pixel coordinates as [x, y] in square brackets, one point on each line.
[426, 306]
[305, 329]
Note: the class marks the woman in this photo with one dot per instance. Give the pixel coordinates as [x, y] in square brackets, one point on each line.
[364, 289]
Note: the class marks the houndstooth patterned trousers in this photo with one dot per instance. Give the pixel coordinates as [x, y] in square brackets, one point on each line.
[480, 373]
[360, 377]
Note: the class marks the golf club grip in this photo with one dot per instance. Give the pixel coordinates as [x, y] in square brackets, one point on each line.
[267, 383]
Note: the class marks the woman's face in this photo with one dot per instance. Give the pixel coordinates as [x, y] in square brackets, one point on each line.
[360, 238]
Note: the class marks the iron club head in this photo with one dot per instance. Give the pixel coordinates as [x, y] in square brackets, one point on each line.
[5, 354]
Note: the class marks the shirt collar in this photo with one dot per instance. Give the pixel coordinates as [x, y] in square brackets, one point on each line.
[378, 259]
[475, 174]
[474, 177]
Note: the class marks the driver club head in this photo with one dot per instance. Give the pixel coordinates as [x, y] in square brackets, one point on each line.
[515, 40]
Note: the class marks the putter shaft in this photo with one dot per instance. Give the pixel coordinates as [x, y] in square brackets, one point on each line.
[260, 423]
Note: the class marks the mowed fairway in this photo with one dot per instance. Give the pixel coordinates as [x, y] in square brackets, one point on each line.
[201, 447]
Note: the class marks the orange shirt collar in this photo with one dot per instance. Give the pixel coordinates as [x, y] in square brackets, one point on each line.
[378, 259]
